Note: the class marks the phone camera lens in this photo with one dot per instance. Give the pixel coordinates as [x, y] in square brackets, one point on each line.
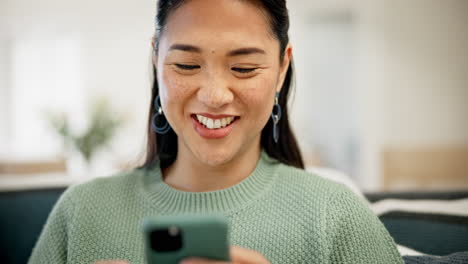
[173, 231]
[164, 240]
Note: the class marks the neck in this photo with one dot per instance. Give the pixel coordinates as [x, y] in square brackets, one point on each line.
[189, 174]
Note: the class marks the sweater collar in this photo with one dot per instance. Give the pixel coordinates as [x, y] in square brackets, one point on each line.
[169, 200]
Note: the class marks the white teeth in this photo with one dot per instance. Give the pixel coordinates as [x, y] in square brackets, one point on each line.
[210, 123]
[214, 123]
[217, 123]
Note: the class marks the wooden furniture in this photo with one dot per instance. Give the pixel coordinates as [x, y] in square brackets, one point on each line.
[425, 168]
[30, 167]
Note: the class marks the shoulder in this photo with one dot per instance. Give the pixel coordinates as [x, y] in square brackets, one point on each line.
[119, 186]
[350, 230]
[308, 183]
[322, 192]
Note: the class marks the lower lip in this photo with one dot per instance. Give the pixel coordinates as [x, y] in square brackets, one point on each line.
[212, 133]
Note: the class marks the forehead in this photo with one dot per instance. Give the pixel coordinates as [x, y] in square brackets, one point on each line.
[225, 22]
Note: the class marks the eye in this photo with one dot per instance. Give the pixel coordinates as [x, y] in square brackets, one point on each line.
[187, 67]
[243, 70]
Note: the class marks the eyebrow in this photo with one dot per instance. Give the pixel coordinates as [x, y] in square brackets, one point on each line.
[233, 53]
[185, 47]
[245, 51]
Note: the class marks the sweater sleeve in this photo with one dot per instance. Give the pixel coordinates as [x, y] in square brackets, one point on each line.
[52, 244]
[356, 233]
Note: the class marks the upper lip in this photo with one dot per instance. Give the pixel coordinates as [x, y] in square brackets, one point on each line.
[213, 116]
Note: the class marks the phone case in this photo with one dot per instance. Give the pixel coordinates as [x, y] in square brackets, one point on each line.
[200, 236]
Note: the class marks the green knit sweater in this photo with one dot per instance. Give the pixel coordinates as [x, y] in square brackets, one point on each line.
[286, 214]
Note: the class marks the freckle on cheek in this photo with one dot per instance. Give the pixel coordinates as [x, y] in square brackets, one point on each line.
[258, 93]
[176, 89]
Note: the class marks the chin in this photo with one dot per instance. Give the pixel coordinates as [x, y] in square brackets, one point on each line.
[214, 158]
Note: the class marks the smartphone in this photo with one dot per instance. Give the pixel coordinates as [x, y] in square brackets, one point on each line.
[170, 239]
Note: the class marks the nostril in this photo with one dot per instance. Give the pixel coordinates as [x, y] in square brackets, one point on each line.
[216, 97]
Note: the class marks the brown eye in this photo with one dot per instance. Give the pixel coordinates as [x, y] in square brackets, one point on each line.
[187, 67]
[244, 70]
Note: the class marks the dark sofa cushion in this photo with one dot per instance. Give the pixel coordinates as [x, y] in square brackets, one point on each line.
[22, 217]
[433, 222]
[455, 258]
[428, 233]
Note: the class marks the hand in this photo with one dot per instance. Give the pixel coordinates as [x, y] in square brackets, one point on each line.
[238, 256]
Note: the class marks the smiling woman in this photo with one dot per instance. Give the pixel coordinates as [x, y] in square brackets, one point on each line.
[219, 141]
[234, 76]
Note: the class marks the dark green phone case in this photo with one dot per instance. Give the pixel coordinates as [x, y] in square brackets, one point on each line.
[201, 236]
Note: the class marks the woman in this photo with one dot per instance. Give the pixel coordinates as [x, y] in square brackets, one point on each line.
[219, 141]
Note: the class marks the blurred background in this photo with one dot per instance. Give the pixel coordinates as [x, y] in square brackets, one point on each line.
[381, 90]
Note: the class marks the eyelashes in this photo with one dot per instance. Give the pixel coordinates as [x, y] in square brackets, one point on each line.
[188, 67]
[243, 70]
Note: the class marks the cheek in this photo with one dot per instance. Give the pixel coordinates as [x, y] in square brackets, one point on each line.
[259, 97]
[174, 89]
[174, 93]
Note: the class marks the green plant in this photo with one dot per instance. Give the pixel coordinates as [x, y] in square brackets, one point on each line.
[102, 127]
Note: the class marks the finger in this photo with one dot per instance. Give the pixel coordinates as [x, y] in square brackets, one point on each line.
[201, 261]
[244, 256]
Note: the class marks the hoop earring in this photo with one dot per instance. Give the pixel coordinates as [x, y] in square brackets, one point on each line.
[159, 114]
[276, 117]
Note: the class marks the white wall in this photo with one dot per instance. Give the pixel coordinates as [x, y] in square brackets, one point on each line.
[324, 106]
[45, 76]
[4, 95]
[117, 55]
[427, 91]
[370, 73]
[67, 52]
[411, 77]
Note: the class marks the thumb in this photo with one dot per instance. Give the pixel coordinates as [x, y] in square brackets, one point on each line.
[243, 255]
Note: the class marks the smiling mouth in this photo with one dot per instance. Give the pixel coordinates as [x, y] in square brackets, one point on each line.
[215, 123]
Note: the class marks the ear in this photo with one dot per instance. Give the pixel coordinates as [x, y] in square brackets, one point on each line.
[284, 66]
[153, 51]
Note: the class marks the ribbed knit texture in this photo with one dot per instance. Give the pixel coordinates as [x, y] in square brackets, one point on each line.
[282, 212]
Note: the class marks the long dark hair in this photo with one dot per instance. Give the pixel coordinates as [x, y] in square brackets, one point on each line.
[164, 147]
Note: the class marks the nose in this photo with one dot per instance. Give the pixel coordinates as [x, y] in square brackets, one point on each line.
[215, 91]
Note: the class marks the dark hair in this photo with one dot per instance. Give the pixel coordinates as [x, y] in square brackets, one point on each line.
[164, 147]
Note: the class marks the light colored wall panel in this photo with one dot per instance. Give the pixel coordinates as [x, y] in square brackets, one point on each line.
[426, 168]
